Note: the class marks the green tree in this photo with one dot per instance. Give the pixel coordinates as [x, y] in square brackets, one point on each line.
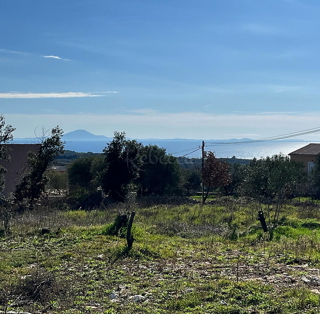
[84, 181]
[215, 173]
[191, 180]
[314, 179]
[159, 173]
[57, 180]
[79, 173]
[33, 183]
[6, 136]
[273, 179]
[237, 172]
[123, 162]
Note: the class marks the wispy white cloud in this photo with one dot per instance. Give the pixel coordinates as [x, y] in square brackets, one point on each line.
[108, 92]
[16, 95]
[277, 113]
[52, 57]
[55, 57]
[13, 51]
[8, 51]
[272, 88]
[145, 111]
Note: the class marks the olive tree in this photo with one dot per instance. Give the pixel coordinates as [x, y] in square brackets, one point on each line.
[6, 136]
[159, 172]
[273, 179]
[122, 166]
[84, 181]
[33, 183]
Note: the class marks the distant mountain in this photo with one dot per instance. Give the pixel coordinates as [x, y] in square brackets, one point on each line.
[245, 148]
[83, 135]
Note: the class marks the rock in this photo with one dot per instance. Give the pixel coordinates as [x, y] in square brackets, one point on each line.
[113, 296]
[91, 307]
[315, 280]
[13, 312]
[305, 279]
[137, 298]
[188, 290]
[100, 256]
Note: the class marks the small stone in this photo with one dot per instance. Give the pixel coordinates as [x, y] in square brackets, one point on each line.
[305, 279]
[113, 296]
[13, 312]
[137, 298]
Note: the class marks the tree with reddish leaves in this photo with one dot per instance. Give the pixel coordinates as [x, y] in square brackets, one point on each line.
[215, 173]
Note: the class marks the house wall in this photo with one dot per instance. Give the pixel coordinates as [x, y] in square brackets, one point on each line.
[305, 159]
[17, 165]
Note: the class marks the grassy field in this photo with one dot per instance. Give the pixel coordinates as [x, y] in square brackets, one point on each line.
[185, 259]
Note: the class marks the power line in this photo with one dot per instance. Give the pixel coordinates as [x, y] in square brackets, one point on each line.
[191, 152]
[273, 138]
[186, 150]
[309, 131]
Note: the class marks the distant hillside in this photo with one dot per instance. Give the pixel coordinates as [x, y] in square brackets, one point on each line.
[69, 156]
[83, 141]
[83, 135]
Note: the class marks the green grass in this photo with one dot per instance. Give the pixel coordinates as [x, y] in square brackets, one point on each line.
[185, 259]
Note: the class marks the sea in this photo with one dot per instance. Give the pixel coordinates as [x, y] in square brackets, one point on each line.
[242, 149]
[237, 149]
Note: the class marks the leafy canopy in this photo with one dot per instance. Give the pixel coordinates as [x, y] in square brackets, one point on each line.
[273, 177]
[6, 131]
[33, 183]
[122, 166]
[215, 172]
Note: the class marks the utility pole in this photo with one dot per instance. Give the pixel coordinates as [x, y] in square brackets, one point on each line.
[202, 169]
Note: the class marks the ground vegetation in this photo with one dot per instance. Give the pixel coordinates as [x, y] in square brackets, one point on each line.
[188, 258]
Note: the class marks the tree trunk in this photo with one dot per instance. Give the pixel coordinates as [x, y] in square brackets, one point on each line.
[207, 193]
[130, 237]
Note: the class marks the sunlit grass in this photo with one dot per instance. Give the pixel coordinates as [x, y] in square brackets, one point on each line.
[185, 259]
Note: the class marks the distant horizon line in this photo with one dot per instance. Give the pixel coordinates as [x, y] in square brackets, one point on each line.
[94, 137]
[178, 139]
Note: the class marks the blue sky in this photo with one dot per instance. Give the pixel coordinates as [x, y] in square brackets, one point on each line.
[161, 69]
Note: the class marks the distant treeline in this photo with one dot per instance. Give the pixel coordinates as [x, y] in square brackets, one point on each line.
[68, 156]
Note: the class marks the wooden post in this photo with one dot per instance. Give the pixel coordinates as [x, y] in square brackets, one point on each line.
[130, 237]
[263, 221]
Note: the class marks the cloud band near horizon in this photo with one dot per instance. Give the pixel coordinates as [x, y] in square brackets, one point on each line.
[189, 125]
[52, 95]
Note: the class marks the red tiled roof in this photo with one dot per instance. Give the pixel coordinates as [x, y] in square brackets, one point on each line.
[310, 149]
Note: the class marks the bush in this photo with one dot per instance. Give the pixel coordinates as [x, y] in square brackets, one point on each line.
[82, 197]
[38, 286]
